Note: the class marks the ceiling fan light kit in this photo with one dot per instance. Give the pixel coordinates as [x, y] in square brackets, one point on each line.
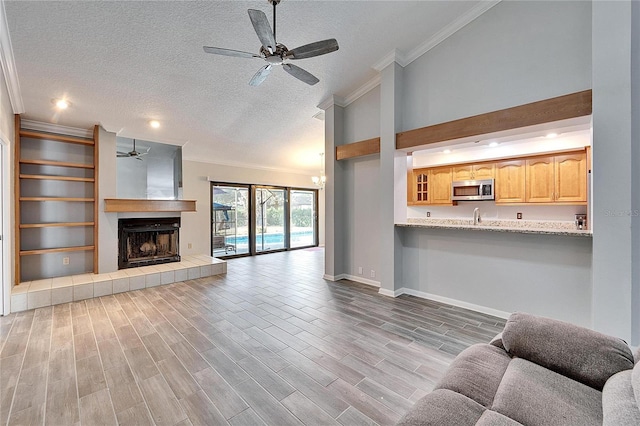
[275, 53]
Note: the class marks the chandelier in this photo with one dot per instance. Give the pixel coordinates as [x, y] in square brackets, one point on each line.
[319, 181]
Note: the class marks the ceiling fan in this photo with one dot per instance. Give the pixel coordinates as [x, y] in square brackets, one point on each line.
[276, 53]
[133, 153]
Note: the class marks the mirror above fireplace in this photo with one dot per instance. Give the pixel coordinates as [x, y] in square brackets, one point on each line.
[154, 175]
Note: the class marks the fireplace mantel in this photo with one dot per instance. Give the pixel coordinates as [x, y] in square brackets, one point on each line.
[116, 205]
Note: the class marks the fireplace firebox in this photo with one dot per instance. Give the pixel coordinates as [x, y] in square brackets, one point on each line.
[148, 241]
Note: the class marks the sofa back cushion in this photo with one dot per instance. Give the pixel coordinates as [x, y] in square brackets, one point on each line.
[576, 352]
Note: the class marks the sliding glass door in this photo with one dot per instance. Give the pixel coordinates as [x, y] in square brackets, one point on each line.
[255, 219]
[229, 220]
[303, 218]
[271, 226]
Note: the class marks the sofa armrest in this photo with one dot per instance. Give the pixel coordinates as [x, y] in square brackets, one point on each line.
[576, 352]
[497, 341]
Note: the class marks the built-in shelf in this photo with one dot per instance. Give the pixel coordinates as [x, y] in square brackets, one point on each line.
[55, 225]
[53, 177]
[63, 169]
[55, 250]
[57, 163]
[33, 134]
[118, 205]
[82, 200]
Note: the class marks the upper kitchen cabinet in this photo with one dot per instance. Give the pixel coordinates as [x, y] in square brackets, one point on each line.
[510, 181]
[557, 179]
[571, 177]
[474, 171]
[431, 186]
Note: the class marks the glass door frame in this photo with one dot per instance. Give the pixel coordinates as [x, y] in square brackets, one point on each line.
[285, 225]
[251, 217]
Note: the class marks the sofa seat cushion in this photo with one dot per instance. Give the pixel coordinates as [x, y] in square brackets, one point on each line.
[443, 407]
[492, 418]
[619, 406]
[476, 373]
[534, 395]
[577, 352]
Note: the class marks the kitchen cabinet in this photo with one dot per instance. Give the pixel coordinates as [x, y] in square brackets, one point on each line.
[557, 179]
[431, 186]
[510, 181]
[473, 171]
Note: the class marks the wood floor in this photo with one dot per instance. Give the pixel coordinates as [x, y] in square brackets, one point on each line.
[269, 343]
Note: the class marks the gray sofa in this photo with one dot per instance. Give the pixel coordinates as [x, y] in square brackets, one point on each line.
[539, 371]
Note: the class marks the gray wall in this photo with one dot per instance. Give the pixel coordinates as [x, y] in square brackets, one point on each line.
[516, 53]
[546, 275]
[361, 185]
[7, 219]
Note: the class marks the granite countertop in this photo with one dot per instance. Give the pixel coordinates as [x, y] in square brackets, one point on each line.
[514, 226]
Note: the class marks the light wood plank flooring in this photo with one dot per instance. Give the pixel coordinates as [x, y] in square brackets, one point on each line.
[269, 343]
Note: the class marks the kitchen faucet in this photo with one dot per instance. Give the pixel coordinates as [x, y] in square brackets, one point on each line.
[476, 216]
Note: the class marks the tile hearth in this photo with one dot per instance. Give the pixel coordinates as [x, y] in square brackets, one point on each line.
[54, 291]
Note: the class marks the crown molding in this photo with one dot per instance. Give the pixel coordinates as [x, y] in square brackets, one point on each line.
[394, 56]
[450, 29]
[332, 100]
[56, 128]
[9, 64]
[363, 90]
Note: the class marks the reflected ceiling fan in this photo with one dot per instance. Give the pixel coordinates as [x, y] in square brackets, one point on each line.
[133, 153]
[276, 53]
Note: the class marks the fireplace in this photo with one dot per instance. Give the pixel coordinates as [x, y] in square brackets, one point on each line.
[143, 242]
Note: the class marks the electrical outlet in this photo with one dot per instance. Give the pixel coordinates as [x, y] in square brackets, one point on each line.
[189, 245]
[519, 215]
[373, 273]
[65, 260]
[428, 214]
[360, 270]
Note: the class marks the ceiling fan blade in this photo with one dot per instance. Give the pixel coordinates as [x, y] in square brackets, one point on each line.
[122, 155]
[300, 74]
[229, 52]
[314, 49]
[263, 29]
[260, 75]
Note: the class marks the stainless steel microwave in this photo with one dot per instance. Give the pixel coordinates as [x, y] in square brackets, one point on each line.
[470, 190]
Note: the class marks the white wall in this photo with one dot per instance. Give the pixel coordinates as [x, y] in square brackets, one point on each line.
[516, 53]
[7, 224]
[196, 227]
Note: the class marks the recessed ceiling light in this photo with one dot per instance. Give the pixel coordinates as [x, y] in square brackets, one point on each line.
[551, 135]
[493, 144]
[61, 103]
[447, 151]
[154, 123]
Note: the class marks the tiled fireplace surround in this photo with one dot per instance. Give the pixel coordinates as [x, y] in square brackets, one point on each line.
[53, 291]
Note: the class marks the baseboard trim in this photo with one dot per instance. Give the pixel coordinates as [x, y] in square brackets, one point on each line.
[333, 277]
[454, 302]
[361, 280]
[351, 278]
[391, 293]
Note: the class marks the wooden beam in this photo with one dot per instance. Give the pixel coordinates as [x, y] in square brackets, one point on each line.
[112, 205]
[96, 195]
[16, 198]
[358, 149]
[546, 111]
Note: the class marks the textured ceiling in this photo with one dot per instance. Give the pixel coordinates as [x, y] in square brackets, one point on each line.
[122, 64]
